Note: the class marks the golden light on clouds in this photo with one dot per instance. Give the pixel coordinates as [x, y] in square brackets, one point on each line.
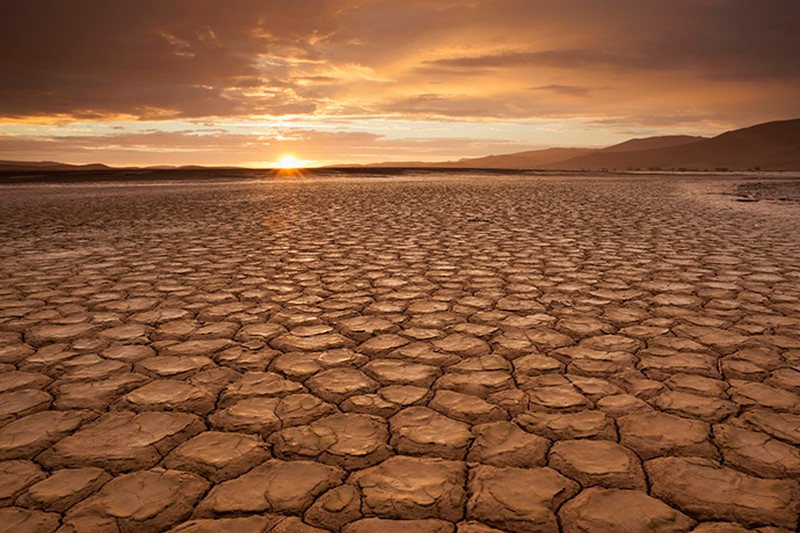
[345, 81]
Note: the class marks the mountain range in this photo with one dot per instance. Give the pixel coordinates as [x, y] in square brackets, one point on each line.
[768, 146]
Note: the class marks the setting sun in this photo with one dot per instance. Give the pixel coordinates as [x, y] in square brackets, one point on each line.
[289, 161]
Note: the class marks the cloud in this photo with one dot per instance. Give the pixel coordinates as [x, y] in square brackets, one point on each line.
[179, 58]
[477, 108]
[567, 90]
[732, 62]
[567, 59]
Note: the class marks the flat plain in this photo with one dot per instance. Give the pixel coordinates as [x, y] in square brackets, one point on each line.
[419, 353]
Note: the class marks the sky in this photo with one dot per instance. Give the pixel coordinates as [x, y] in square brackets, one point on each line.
[244, 82]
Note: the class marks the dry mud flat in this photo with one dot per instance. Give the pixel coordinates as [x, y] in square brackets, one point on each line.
[462, 354]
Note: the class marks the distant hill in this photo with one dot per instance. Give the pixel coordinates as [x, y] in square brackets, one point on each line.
[48, 165]
[529, 159]
[769, 146]
[553, 156]
[651, 143]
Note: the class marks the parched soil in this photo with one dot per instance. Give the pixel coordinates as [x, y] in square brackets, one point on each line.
[420, 354]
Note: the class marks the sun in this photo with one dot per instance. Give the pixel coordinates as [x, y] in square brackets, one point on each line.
[288, 161]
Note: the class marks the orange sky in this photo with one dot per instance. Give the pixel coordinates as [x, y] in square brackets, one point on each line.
[151, 82]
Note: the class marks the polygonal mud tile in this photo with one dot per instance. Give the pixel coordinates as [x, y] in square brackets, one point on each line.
[351, 441]
[518, 499]
[218, 456]
[598, 509]
[275, 486]
[422, 431]
[413, 488]
[144, 500]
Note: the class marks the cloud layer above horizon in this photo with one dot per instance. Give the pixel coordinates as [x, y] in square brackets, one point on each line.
[214, 82]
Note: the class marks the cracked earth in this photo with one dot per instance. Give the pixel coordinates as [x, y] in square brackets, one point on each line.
[469, 354]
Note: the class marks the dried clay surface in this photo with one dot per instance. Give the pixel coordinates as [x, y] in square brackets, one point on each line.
[419, 353]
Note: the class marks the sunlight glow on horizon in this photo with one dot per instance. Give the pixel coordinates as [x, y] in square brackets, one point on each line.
[289, 162]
